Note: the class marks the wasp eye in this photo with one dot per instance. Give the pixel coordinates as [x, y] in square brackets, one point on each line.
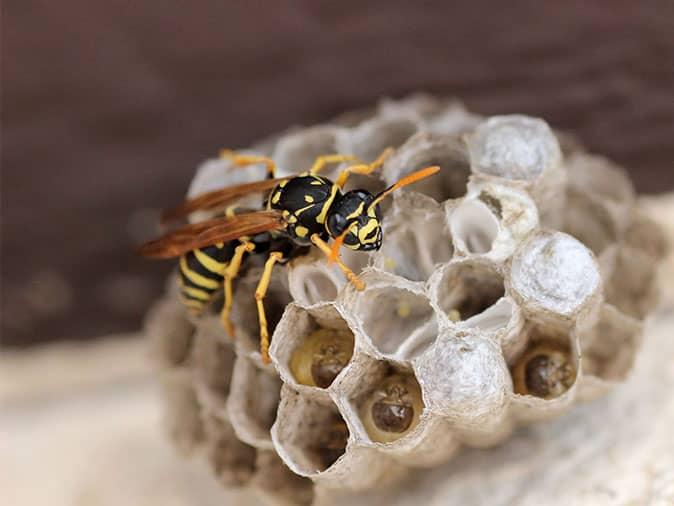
[336, 224]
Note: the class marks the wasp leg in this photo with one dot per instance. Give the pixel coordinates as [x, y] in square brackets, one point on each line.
[230, 273]
[243, 160]
[365, 168]
[350, 275]
[260, 293]
[322, 161]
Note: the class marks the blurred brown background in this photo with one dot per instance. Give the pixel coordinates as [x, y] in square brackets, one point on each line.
[107, 107]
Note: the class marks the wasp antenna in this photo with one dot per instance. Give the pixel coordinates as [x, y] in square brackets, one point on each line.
[337, 244]
[407, 180]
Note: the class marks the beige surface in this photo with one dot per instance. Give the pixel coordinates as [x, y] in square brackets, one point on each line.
[79, 425]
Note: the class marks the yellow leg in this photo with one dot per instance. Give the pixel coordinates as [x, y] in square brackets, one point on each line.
[232, 272]
[350, 275]
[365, 168]
[322, 161]
[260, 293]
[243, 160]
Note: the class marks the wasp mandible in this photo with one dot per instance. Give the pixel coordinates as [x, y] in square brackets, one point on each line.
[299, 211]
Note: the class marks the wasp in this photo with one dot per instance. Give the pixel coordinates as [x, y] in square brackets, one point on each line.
[299, 212]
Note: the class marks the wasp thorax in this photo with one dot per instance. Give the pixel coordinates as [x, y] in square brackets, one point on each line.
[321, 357]
[392, 409]
[332, 443]
[545, 371]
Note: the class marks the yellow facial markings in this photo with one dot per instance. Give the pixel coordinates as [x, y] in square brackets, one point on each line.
[308, 198]
[357, 212]
[301, 231]
[364, 231]
[197, 278]
[324, 211]
[209, 263]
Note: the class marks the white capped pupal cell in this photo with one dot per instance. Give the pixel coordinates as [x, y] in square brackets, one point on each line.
[509, 286]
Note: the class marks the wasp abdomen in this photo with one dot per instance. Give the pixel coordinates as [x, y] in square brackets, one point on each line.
[201, 273]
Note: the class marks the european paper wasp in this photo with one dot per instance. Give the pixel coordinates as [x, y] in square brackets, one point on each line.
[300, 211]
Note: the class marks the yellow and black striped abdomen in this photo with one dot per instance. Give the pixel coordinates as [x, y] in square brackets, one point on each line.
[201, 273]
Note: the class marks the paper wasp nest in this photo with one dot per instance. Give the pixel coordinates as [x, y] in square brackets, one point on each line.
[509, 287]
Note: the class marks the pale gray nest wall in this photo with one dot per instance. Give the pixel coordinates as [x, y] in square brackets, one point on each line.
[520, 240]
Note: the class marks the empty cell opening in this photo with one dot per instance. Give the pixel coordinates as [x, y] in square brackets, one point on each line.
[468, 289]
[321, 356]
[232, 461]
[589, 222]
[317, 286]
[547, 368]
[391, 408]
[215, 363]
[613, 348]
[419, 341]
[391, 315]
[630, 287]
[382, 134]
[260, 402]
[493, 318]
[244, 309]
[451, 181]
[314, 438]
[298, 152]
[412, 249]
[473, 226]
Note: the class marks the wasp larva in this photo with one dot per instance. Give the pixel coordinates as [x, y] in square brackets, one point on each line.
[392, 409]
[545, 371]
[321, 357]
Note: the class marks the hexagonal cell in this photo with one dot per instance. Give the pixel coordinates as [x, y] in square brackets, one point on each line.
[589, 221]
[232, 461]
[278, 485]
[466, 288]
[644, 234]
[212, 365]
[312, 345]
[597, 176]
[253, 402]
[555, 277]
[391, 315]
[170, 332]
[632, 287]
[610, 347]
[416, 240]
[513, 147]
[426, 149]
[465, 380]
[309, 436]
[473, 227]
[390, 408]
[546, 374]
[244, 310]
[371, 137]
[182, 412]
[296, 152]
[312, 281]
[218, 173]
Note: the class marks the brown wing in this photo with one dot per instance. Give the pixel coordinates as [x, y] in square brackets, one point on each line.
[205, 233]
[217, 198]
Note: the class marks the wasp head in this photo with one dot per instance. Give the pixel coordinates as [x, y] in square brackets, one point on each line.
[358, 217]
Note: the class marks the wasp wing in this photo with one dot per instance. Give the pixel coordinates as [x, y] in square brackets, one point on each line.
[217, 198]
[206, 233]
